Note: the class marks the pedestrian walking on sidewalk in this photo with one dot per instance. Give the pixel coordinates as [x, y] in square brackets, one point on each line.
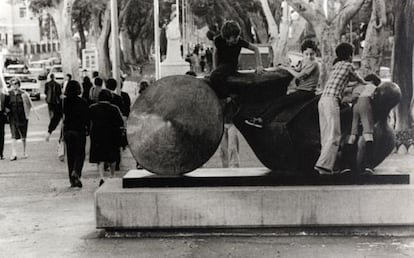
[20, 105]
[105, 133]
[75, 129]
[53, 92]
[3, 114]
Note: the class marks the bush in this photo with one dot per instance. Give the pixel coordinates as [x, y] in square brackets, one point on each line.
[405, 137]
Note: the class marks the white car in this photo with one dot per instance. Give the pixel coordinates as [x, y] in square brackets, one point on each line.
[39, 69]
[31, 86]
[58, 72]
[15, 70]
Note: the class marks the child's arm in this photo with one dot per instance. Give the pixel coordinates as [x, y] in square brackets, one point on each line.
[215, 58]
[259, 64]
[355, 76]
[304, 72]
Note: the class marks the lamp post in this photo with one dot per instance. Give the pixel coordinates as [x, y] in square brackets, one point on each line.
[115, 45]
[157, 39]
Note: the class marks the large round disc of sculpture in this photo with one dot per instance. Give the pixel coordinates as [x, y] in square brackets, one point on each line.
[175, 126]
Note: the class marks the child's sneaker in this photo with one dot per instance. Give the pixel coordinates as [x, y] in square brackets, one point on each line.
[368, 172]
[255, 121]
[345, 171]
[323, 171]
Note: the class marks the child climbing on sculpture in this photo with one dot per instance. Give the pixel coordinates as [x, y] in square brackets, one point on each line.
[329, 111]
[227, 47]
[306, 75]
[362, 96]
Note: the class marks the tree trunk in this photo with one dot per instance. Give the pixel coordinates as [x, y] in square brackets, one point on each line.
[139, 54]
[280, 45]
[403, 61]
[278, 39]
[328, 40]
[127, 48]
[374, 41]
[103, 45]
[82, 37]
[260, 27]
[62, 17]
[328, 31]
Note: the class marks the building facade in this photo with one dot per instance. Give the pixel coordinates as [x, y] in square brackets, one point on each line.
[21, 32]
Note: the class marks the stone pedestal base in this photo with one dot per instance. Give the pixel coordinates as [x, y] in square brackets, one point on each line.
[174, 68]
[120, 208]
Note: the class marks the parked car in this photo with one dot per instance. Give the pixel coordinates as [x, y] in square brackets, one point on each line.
[39, 69]
[15, 70]
[31, 86]
[54, 61]
[58, 72]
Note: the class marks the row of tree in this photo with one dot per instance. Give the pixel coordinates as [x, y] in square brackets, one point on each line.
[261, 21]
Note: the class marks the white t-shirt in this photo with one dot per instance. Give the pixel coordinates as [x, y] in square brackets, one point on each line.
[365, 90]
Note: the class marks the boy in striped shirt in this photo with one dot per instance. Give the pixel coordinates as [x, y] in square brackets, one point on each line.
[329, 107]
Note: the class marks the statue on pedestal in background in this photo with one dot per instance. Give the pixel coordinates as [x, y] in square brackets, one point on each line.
[173, 39]
[173, 63]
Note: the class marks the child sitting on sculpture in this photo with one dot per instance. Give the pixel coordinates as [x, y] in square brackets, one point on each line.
[329, 110]
[227, 47]
[306, 75]
[362, 96]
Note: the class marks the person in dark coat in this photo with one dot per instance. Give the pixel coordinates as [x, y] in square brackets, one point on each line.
[86, 87]
[3, 114]
[53, 92]
[106, 122]
[127, 101]
[75, 128]
[117, 100]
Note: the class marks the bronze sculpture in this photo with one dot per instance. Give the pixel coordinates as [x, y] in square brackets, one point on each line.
[177, 125]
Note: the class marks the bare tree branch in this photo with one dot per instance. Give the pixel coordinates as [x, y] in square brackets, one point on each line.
[350, 8]
[123, 11]
[305, 10]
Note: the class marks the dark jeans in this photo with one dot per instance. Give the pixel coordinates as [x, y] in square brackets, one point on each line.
[75, 151]
[275, 108]
[218, 79]
[55, 112]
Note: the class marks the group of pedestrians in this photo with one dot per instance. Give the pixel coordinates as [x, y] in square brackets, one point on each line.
[101, 114]
[95, 110]
[200, 59]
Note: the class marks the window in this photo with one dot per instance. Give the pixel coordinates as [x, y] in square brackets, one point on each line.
[22, 12]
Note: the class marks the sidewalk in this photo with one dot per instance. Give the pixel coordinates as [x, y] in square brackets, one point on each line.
[40, 216]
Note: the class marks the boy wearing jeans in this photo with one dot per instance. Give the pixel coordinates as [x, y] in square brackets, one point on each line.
[329, 111]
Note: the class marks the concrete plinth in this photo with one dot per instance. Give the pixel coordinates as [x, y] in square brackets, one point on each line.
[174, 68]
[255, 206]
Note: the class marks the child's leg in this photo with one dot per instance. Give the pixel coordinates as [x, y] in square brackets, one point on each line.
[218, 80]
[224, 147]
[367, 121]
[330, 128]
[233, 147]
[350, 149]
